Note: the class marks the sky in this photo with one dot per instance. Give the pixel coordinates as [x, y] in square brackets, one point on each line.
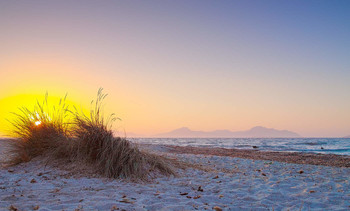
[206, 65]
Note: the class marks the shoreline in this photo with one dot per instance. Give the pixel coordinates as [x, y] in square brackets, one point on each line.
[332, 160]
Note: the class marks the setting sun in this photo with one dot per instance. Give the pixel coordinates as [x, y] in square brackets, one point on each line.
[37, 123]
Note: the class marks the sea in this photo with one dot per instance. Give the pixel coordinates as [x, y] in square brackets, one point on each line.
[339, 146]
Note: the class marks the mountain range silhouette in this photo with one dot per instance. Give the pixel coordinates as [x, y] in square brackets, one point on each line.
[255, 132]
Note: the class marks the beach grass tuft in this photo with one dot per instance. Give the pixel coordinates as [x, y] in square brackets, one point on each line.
[38, 131]
[112, 156]
[70, 135]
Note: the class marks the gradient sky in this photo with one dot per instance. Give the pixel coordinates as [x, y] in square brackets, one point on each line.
[206, 65]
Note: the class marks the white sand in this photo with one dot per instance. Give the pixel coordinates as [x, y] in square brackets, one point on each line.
[235, 184]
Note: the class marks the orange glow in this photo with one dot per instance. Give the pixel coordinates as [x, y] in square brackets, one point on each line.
[168, 106]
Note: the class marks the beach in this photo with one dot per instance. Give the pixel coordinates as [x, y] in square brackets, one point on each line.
[221, 180]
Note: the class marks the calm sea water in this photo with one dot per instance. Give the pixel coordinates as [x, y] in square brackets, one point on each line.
[340, 146]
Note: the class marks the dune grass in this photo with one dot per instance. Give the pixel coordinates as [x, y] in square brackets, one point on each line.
[60, 133]
[38, 131]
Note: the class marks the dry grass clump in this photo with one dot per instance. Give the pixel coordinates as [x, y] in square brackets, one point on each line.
[38, 131]
[77, 137]
[112, 156]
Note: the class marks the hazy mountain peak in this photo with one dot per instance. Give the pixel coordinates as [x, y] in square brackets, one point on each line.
[182, 129]
[255, 132]
[259, 128]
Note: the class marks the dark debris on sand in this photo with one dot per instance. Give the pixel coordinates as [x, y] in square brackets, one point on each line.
[287, 157]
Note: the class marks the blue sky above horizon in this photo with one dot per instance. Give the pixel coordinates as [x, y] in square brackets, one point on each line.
[203, 64]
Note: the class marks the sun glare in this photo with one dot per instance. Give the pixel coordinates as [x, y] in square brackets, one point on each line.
[36, 118]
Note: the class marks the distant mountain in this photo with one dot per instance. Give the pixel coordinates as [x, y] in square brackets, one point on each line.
[263, 132]
[347, 137]
[255, 132]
